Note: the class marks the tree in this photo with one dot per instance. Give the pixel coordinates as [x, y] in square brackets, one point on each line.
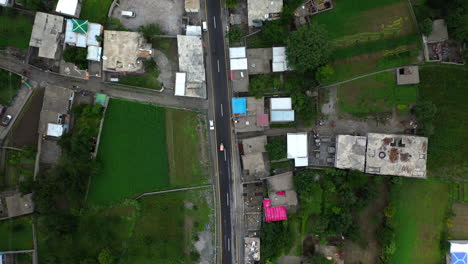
[457, 23]
[76, 56]
[324, 73]
[230, 3]
[263, 83]
[150, 30]
[426, 26]
[276, 148]
[235, 35]
[274, 33]
[425, 112]
[308, 48]
[106, 257]
[275, 239]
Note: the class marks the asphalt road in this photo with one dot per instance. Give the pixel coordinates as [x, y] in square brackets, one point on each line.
[222, 124]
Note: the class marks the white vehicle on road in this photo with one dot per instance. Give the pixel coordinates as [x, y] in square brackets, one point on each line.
[211, 125]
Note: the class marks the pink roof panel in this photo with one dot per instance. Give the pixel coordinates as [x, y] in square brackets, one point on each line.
[262, 120]
[274, 213]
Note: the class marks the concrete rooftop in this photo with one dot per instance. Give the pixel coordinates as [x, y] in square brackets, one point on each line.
[19, 204]
[259, 60]
[261, 9]
[255, 144]
[122, 50]
[350, 152]
[46, 33]
[439, 31]
[191, 62]
[407, 75]
[399, 155]
[256, 164]
[249, 123]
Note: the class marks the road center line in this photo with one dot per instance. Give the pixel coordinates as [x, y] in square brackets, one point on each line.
[218, 64]
[222, 112]
[214, 22]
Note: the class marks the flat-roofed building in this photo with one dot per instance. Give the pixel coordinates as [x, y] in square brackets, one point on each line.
[261, 10]
[281, 110]
[280, 63]
[297, 148]
[191, 63]
[70, 8]
[407, 75]
[350, 152]
[399, 155]
[124, 51]
[46, 34]
[192, 6]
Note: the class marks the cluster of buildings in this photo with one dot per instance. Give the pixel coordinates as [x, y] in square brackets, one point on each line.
[439, 48]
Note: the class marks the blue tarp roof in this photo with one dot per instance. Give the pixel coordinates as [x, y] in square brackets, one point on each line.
[459, 258]
[239, 106]
[282, 116]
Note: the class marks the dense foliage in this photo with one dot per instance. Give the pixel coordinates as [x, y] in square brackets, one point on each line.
[76, 56]
[275, 240]
[150, 30]
[262, 84]
[425, 112]
[308, 48]
[330, 199]
[276, 148]
[235, 35]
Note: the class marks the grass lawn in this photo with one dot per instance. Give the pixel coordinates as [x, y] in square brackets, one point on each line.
[147, 80]
[419, 220]
[16, 234]
[167, 227]
[448, 146]
[95, 231]
[186, 148]
[376, 93]
[95, 10]
[17, 27]
[20, 164]
[9, 86]
[132, 152]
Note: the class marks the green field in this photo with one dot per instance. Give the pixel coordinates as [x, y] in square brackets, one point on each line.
[448, 146]
[9, 86]
[369, 36]
[95, 10]
[375, 94]
[146, 80]
[136, 157]
[132, 152]
[16, 234]
[17, 27]
[167, 227]
[419, 220]
[185, 136]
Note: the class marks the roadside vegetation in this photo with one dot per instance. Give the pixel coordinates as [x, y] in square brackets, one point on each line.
[17, 27]
[148, 79]
[77, 56]
[10, 84]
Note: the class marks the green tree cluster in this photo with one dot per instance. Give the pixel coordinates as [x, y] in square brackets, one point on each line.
[425, 112]
[76, 56]
[262, 84]
[276, 148]
[150, 30]
[276, 240]
[235, 35]
[308, 48]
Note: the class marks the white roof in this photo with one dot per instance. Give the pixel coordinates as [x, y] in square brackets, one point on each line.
[54, 130]
[237, 52]
[283, 103]
[458, 247]
[93, 31]
[180, 84]
[94, 53]
[67, 7]
[279, 59]
[282, 116]
[297, 145]
[3, 2]
[301, 162]
[239, 64]
[193, 30]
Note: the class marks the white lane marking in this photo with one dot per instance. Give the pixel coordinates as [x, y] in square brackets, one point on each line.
[218, 64]
[214, 22]
[222, 112]
[227, 198]
[229, 244]
[224, 155]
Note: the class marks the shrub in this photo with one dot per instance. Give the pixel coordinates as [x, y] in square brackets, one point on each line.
[76, 56]
[150, 30]
[276, 148]
[426, 26]
[235, 35]
[324, 73]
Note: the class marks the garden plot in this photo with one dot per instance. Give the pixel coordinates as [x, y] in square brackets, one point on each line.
[16, 234]
[375, 94]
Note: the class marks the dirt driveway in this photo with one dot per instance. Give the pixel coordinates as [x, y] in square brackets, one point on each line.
[166, 13]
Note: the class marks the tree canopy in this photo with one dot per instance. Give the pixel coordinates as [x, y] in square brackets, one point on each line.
[308, 48]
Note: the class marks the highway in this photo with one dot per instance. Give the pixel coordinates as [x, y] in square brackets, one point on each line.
[222, 124]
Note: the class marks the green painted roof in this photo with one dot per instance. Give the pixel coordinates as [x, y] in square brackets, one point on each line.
[80, 26]
[100, 99]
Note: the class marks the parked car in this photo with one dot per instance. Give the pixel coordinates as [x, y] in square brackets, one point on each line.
[128, 14]
[6, 120]
[204, 26]
[211, 125]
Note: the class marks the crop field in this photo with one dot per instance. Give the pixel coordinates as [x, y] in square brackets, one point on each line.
[459, 228]
[17, 27]
[167, 227]
[132, 152]
[419, 220]
[375, 94]
[16, 234]
[369, 35]
[446, 88]
[186, 148]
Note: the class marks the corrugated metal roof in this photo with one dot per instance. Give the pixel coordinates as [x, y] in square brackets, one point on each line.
[239, 106]
[238, 52]
[282, 103]
[239, 64]
[193, 31]
[282, 116]
[94, 53]
[297, 145]
[279, 59]
[274, 213]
